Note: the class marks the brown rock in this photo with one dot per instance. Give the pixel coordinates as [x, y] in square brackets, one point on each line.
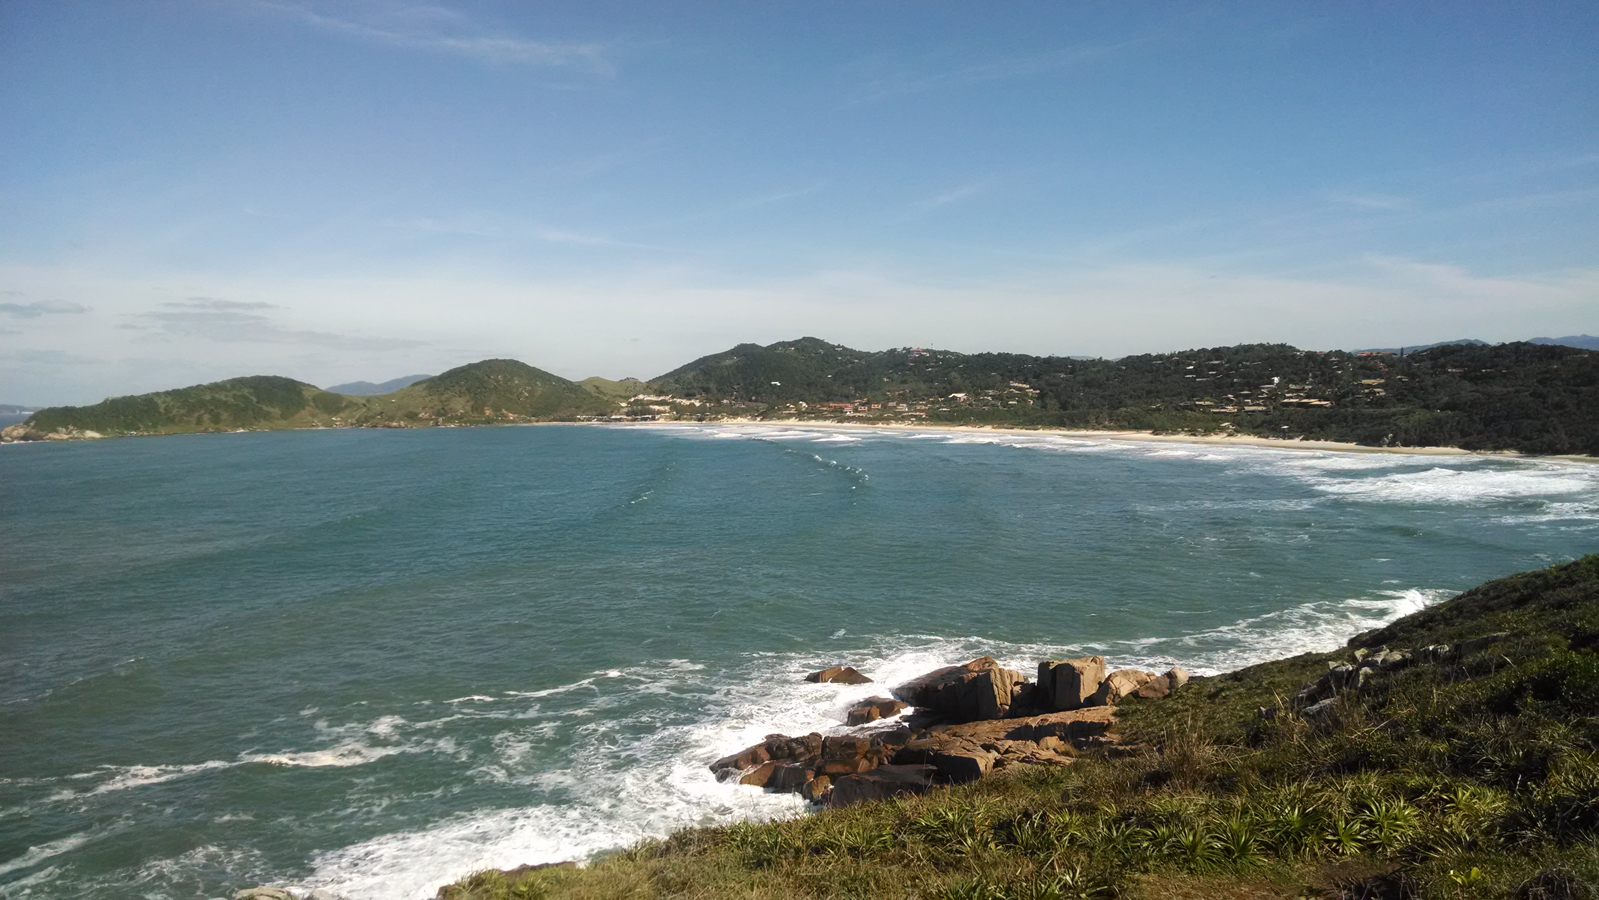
[1119, 684]
[873, 709]
[1068, 684]
[760, 775]
[838, 675]
[817, 789]
[848, 754]
[881, 783]
[779, 747]
[789, 778]
[1154, 689]
[979, 689]
[963, 766]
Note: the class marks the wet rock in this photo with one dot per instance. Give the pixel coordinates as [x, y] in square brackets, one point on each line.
[1068, 684]
[817, 789]
[779, 747]
[758, 776]
[848, 755]
[263, 893]
[789, 778]
[873, 709]
[882, 783]
[838, 675]
[980, 689]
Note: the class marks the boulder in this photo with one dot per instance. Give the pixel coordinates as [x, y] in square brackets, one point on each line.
[1117, 685]
[1177, 676]
[776, 747]
[263, 893]
[758, 776]
[873, 709]
[962, 766]
[838, 675]
[1154, 689]
[1068, 684]
[817, 789]
[848, 755]
[882, 783]
[980, 689]
[789, 778]
[21, 432]
[1476, 645]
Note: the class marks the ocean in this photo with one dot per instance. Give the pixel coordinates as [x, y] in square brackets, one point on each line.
[375, 661]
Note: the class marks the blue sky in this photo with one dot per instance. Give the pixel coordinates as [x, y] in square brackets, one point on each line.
[197, 189]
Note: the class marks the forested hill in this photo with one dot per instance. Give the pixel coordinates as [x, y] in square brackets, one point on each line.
[1528, 397]
[1520, 396]
[491, 391]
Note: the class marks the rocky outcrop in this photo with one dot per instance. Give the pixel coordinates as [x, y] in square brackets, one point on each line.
[969, 720]
[838, 675]
[882, 783]
[872, 709]
[980, 689]
[1069, 684]
[1118, 685]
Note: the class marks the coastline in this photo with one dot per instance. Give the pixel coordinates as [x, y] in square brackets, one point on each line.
[1238, 440]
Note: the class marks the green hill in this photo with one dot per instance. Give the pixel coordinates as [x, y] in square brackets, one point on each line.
[1463, 763]
[495, 390]
[257, 401]
[1522, 396]
[615, 390]
[488, 391]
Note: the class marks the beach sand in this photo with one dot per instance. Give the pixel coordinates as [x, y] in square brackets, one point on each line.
[1240, 440]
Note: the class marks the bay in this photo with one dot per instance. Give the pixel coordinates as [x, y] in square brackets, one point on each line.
[375, 661]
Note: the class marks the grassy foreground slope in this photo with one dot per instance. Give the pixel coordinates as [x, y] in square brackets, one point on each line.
[1469, 772]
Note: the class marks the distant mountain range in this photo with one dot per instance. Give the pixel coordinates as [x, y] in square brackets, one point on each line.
[368, 389]
[1584, 341]
[1536, 398]
[1580, 341]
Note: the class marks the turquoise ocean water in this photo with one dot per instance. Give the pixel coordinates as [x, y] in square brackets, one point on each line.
[375, 661]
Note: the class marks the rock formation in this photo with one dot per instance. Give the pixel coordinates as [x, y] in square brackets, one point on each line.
[967, 721]
[838, 675]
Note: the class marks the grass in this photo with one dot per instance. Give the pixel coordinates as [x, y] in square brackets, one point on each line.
[1461, 778]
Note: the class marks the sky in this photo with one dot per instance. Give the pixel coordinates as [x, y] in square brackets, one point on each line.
[193, 190]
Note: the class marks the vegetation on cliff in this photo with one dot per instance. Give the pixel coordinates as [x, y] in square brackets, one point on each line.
[1522, 396]
[1466, 767]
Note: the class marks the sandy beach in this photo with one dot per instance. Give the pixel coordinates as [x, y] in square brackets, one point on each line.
[1238, 440]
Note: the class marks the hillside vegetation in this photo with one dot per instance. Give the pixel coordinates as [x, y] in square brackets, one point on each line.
[1463, 764]
[491, 391]
[1524, 397]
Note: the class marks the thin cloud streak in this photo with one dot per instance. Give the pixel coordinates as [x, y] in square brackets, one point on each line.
[424, 33]
[41, 308]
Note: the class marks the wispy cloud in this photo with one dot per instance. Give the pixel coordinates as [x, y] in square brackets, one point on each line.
[952, 196]
[40, 308]
[232, 321]
[904, 83]
[1372, 201]
[440, 30]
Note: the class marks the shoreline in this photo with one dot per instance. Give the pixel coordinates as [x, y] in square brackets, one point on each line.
[1241, 440]
[1237, 440]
